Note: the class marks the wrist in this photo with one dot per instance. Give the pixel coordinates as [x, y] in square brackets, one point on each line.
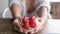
[19, 18]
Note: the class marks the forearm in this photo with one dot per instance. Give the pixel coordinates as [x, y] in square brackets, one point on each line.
[15, 9]
[42, 12]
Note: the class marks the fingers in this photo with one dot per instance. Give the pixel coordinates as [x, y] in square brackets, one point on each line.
[37, 29]
[32, 32]
[20, 29]
[17, 25]
[26, 32]
[16, 22]
[39, 18]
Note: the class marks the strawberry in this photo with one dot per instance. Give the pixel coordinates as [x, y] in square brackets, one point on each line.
[26, 25]
[25, 19]
[25, 22]
[32, 22]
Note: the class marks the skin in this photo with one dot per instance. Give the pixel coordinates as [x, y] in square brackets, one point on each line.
[16, 12]
[15, 9]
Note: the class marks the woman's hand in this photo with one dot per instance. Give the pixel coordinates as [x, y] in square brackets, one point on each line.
[16, 23]
[40, 25]
[17, 26]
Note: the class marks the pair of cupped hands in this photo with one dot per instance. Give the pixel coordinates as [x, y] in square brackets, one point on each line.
[17, 23]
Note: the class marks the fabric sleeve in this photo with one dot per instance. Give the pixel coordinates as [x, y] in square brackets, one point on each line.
[43, 3]
[11, 2]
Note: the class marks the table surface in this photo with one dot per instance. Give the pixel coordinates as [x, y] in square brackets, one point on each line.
[52, 26]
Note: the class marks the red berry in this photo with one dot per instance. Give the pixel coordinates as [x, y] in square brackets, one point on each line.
[25, 22]
[32, 22]
[25, 19]
[26, 25]
[32, 18]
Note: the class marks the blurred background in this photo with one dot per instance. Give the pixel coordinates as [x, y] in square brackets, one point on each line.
[55, 8]
[53, 26]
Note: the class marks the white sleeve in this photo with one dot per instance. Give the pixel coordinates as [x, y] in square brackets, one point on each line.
[11, 2]
[44, 3]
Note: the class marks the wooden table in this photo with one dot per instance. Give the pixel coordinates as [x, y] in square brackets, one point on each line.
[6, 27]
